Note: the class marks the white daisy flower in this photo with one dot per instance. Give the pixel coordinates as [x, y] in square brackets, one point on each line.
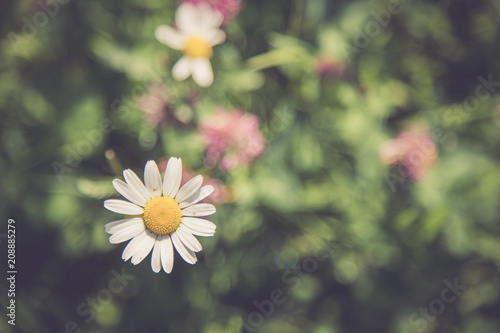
[162, 215]
[197, 32]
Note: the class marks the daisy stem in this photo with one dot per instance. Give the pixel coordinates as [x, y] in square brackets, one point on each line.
[295, 22]
[113, 161]
[272, 58]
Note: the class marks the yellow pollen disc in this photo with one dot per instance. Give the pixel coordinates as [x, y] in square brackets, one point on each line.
[196, 47]
[162, 215]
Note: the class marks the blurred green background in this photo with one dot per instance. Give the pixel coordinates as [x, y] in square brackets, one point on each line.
[330, 81]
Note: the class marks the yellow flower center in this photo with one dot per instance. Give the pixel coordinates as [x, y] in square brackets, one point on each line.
[162, 215]
[197, 47]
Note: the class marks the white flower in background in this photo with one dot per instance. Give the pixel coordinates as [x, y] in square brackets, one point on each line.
[197, 32]
[161, 215]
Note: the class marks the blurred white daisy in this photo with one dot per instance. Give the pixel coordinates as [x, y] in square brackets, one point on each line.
[161, 215]
[197, 32]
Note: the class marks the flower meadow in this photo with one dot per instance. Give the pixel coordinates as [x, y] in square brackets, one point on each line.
[220, 166]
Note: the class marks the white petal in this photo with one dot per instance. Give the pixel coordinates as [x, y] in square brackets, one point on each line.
[172, 177]
[144, 247]
[199, 227]
[170, 37]
[186, 254]
[188, 239]
[194, 20]
[128, 193]
[127, 232]
[189, 188]
[155, 257]
[203, 209]
[167, 253]
[199, 195]
[202, 72]
[182, 69]
[114, 226]
[135, 184]
[215, 36]
[209, 18]
[187, 18]
[110, 225]
[131, 247]
[152, 178]
[201, 233]
[122, 207]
